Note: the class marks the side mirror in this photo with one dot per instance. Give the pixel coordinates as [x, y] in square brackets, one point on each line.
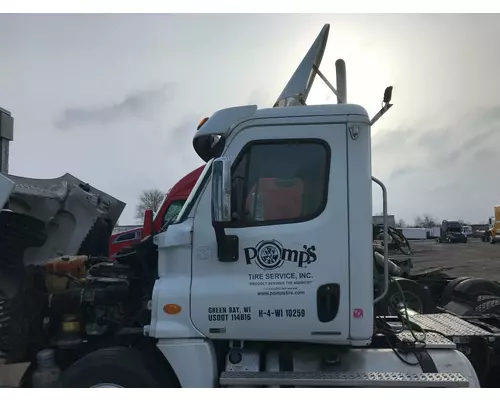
[221, 190]
[388, 94]
[147, 226]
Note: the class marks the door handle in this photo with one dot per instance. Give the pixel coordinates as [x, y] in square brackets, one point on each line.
[327, 300]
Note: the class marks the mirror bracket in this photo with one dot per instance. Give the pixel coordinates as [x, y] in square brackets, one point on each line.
[227, 245]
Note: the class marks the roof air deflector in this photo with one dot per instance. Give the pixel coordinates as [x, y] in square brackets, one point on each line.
[297, 89]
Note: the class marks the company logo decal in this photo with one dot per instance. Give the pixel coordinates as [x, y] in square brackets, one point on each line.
[270, 254]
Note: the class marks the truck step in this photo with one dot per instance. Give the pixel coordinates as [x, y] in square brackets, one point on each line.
[448, 325]
[432, 340]
[341, 379]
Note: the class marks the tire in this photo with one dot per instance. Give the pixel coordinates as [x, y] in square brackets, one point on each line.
[114, 367]
[448, 290]
[412, 291]
[478, 287]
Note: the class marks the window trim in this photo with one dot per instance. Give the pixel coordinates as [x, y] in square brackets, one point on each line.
[119, 239]
[324, 201]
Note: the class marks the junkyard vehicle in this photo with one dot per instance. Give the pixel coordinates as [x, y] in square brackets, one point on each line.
[168, 209]
[452, 232]
[492, 234]
[397, 241]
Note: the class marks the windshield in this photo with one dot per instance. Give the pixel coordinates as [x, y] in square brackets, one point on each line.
[193, 196]
[161, 204]
[454, 227]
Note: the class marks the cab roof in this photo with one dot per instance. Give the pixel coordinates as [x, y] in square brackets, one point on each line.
[223, 121]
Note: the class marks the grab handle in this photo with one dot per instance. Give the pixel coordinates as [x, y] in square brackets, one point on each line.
[386, 239]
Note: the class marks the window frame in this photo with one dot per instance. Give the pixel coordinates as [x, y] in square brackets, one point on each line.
[326, 182]
[119, 239]
[196, 192]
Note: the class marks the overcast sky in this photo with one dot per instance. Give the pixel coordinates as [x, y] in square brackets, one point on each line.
[115, 99]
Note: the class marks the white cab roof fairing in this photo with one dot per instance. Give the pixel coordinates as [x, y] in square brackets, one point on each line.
[311, 111]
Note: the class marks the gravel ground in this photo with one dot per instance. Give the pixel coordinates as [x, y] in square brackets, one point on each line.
[475, 258]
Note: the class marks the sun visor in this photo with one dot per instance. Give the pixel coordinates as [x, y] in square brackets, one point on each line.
[209, 134]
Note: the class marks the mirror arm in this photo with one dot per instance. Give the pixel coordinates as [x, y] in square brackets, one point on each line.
[227, 245]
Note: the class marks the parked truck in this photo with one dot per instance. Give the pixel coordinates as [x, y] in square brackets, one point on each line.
[493, 232]
[451, 232]
[169, 208]
[266, 278]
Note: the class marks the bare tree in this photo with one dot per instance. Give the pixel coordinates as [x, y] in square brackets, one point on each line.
[426, 221]
[150, 199]
[401, 223]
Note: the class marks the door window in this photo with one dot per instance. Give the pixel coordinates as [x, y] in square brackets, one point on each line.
[278, 182]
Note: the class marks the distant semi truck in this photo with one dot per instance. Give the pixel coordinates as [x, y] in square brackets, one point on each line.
[492, 235]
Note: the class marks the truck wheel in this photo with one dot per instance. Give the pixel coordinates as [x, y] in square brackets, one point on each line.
[116, 367]
[478, 287]
[448, 290]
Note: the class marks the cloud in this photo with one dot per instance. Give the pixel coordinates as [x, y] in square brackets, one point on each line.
[140, 104]
[442, 170]
[401, 172]
[261, 98]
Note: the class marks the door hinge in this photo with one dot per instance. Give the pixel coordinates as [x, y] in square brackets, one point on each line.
[354, 131]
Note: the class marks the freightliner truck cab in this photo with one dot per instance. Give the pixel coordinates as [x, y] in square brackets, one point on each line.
[273, 249]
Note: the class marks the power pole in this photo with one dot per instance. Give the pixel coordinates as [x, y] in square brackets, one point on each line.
[6, 136]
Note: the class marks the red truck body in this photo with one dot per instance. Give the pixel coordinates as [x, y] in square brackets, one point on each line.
[170, 207]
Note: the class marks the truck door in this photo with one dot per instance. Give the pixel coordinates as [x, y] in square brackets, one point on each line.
[289, 201]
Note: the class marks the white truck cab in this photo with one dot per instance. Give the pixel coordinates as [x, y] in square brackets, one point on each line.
[273, 260]
[273, 248]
